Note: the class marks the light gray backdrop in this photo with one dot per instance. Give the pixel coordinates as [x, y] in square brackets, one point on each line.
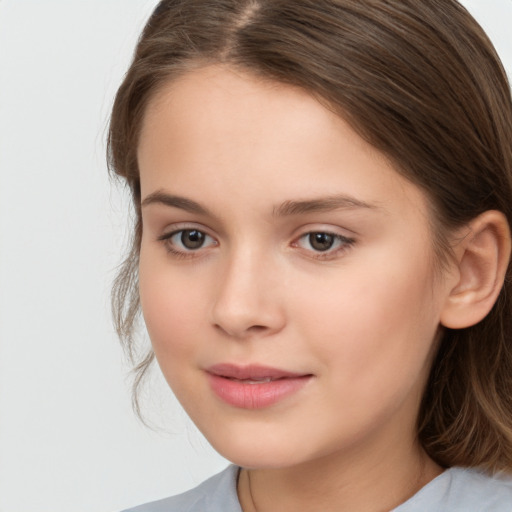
[68, 439]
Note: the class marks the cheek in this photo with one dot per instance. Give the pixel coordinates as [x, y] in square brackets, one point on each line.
[172, 308]
[376, 323]
[173, 314]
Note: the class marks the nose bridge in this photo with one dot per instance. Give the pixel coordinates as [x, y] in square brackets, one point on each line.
[247, 298]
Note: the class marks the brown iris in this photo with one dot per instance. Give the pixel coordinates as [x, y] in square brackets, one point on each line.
[192, 238]
[321, 241]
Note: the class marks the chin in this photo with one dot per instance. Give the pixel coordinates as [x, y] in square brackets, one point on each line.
[258, 452]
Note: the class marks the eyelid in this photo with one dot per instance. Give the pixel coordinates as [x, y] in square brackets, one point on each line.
[322, 227]
[171, 229]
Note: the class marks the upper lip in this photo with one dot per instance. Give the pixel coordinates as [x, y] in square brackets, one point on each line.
[248, 372]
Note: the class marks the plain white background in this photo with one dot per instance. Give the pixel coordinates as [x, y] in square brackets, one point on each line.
[69, 441]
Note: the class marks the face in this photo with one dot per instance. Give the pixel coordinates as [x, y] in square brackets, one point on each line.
[286, 273]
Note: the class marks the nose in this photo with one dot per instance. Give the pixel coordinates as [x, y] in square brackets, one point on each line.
[248, 301]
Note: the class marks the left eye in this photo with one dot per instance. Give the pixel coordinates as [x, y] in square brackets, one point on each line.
[189, 240]
[320, 241]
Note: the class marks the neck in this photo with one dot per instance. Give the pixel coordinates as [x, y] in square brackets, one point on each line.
[344, 483]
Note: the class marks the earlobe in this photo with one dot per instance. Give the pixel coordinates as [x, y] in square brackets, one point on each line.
[482, 257]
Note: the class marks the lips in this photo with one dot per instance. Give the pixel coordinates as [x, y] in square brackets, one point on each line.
[253, 387]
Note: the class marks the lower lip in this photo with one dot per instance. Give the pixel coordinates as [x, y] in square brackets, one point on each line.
[246, 395]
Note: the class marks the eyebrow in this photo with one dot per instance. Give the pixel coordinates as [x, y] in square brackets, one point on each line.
[322, 204]
[160, 197]
[287, 208]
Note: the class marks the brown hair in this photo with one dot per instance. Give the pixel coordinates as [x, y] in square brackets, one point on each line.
[421, 82]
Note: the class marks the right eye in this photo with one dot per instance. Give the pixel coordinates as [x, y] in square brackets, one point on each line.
[186, 241]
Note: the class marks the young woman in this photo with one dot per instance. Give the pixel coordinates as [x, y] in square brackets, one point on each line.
[323, 197]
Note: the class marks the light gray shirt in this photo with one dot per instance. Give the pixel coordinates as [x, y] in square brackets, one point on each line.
[455, 490]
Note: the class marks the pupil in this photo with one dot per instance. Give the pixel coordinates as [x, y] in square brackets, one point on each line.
[192, 239]
[321, 241]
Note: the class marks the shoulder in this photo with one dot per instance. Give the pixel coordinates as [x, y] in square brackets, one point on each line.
[463, 490]
[216, 493]
[481, 490]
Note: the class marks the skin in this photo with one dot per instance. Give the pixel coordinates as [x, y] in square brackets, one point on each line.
[362, 318]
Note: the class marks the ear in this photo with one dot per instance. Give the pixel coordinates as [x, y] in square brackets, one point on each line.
[481, 260]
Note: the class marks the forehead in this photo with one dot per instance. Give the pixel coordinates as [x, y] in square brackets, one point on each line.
[226, 135]
[220, 101]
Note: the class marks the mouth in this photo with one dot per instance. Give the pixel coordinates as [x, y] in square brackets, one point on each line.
[253, 386]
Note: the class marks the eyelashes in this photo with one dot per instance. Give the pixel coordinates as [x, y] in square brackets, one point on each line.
[193, 243]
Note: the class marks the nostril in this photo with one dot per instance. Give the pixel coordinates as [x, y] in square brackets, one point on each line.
[257, 328]
[243, 332]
